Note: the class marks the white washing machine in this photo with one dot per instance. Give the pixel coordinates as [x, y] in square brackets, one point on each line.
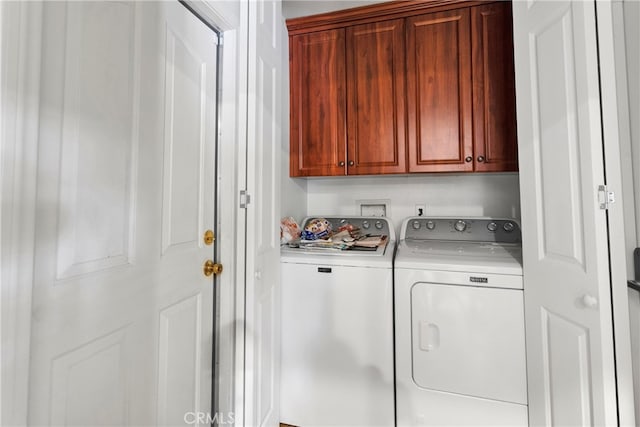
[460, 343]
[337, 332]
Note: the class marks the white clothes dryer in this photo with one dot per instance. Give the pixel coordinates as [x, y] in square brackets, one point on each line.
[460, 343]
[337, 332]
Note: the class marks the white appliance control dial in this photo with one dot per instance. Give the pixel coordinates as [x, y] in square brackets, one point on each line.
[416, 225]
[431, 225]
[379, 225]
[492, 226]
[508, 227]
[365, 225]
[460, 225]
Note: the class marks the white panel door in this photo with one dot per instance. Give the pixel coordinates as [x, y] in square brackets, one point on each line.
[184, 294]
[262, 334]
[122, 315]
[571, 372]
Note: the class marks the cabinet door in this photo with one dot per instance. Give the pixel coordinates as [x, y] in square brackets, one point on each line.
[375, 98]
[494, 111]
[439, 92]
[318, 122]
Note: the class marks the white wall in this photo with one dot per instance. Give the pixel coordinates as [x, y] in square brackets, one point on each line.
[496, 195]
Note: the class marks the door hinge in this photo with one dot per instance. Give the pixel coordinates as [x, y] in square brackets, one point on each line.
[220, 40]
[245, 199]
[605, 197]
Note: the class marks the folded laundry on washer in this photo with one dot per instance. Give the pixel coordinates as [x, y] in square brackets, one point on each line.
[342, 241]
[317, 228]
[289, 230]
[371, 241]
[345, 236]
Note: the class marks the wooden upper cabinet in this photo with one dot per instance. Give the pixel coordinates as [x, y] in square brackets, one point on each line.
[318, 103]
[494, 118]
[439, 99]
[406, 86]
[375, 98]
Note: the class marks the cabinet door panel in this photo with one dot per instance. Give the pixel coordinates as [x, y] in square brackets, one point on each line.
[439, 92]
[375, 98]
[318, 122]
[494, 113]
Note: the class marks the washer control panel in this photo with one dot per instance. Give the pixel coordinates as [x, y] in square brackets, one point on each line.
[462, 229]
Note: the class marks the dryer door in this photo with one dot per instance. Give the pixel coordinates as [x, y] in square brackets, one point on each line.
[469, 340]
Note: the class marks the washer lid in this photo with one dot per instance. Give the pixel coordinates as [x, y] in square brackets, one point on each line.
[480, 257]
[381, 258]
[376, 251]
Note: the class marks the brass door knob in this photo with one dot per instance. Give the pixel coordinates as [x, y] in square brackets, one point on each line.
[211, 267]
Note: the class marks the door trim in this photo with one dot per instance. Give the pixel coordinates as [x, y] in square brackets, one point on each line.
[618, 167]
[20, 36]
[231, 163]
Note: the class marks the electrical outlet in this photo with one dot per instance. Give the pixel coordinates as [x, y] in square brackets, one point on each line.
[420, 210]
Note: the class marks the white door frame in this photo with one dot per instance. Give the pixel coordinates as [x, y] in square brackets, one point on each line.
[618, 166]
[20, 52]
[20, 36]
[232, 161]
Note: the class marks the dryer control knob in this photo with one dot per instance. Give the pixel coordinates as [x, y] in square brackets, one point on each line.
[379, 225]
[431, 225]
[416, 225]
[460, 225]
[492, 226]
[365, 225]
[508, 227]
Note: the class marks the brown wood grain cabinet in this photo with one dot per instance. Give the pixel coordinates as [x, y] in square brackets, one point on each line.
[494, 101]
[375, 98]
[318, 104]
[403, 87]
[439, 92]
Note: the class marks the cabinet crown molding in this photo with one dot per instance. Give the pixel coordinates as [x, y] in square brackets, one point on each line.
[372, 13]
